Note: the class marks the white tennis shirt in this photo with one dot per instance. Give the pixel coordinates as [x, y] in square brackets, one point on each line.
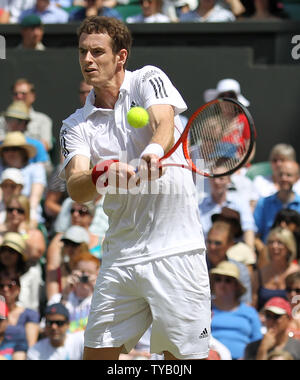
[142, 225]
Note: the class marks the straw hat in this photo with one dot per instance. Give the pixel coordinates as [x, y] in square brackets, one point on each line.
[15, 241]
[17, 139]
[227, 268]
[18, 110]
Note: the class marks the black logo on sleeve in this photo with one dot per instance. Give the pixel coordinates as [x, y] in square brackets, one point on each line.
[158, 87]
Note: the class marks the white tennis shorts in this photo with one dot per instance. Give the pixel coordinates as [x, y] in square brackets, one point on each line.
[172, 293]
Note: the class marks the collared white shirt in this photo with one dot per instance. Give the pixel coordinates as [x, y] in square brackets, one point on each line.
[142, 226]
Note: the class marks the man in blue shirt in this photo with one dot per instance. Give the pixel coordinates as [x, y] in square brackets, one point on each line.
[268, 207]
[48, 13]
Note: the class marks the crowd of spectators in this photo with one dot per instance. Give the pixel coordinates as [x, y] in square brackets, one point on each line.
[50, 246]
[32, 14]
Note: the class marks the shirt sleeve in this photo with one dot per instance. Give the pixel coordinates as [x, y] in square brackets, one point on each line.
[155, 87]
[38, 174]
[32, 316]
[72, 143]
[256, 326]
[258, 215]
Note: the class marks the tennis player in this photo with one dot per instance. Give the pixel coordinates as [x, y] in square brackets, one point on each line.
[154, 268]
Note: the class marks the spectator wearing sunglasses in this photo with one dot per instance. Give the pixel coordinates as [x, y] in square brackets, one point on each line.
[17, 259]
[18, 220]
[234, 323]
[269, 281]
[58, 344]
[23, 319]
[292, 283]
[73, 214]
[89, 215]
[12, 182]
[15, 152]
[278, 314]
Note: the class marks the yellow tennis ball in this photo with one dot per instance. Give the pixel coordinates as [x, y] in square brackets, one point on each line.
[137, 117]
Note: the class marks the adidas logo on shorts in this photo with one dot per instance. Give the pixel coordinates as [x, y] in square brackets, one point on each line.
[204, 334]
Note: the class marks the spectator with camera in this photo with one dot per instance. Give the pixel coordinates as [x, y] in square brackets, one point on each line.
[77, 294]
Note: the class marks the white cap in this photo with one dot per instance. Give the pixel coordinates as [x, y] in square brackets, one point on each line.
[76, 234]
[14, 175]
[226, 85]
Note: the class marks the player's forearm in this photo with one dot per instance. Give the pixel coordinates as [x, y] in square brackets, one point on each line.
[80, 187]
[162, 122]
[164, 138]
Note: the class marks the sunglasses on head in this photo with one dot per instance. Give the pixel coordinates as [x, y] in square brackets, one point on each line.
[58, 323]
[82, 211]
[12, 209]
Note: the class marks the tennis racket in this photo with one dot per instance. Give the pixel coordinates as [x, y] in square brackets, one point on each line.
[217, 140]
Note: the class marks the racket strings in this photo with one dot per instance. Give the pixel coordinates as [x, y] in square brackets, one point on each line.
[218, 137]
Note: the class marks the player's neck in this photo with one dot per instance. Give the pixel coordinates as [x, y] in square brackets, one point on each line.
[106, 96]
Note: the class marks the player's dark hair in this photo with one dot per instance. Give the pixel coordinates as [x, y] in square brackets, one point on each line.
[116, 29]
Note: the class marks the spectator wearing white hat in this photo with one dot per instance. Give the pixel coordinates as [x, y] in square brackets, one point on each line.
[15, 152]
[240, 185]
[226, 88]
[12, 182]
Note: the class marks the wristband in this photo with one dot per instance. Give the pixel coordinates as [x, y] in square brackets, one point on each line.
[154, 148]
[100, 169]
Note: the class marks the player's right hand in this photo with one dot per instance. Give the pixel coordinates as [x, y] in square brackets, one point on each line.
[121, 175]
